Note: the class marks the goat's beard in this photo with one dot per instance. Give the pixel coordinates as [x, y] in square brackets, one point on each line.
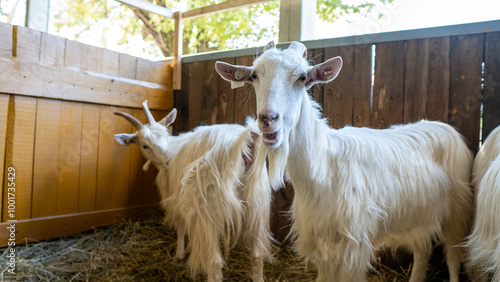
[277, 162]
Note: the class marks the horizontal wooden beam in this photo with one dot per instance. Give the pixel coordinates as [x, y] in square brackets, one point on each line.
[432, 32]
[149, 7]
[221, 7]
[37, 229]
[70, 84]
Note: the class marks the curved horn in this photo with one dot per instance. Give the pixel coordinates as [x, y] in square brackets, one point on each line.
[135, 122]
[150, 117]
[269, 45]
[298, 48]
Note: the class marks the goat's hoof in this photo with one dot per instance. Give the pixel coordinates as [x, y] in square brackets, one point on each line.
[179, 257]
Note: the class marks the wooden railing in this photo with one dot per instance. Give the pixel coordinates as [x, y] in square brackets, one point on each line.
[179, 17]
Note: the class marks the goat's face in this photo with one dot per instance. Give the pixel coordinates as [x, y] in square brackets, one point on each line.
[280, 79]
[152, 138]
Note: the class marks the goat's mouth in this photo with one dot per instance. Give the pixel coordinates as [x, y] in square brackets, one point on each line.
[271, 139]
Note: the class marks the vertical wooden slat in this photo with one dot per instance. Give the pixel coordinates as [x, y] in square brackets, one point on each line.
[127, 66]
[113, 160]
[491, 99]
[338, 99]
[152, 71]
[245, 101]
[46, 163]
[4, 110]
[88, 158]
[181, 101]
[439, 79]
[19, 152]
[52, 50]
[466, 56]
[195, 104]
[416, 80]
[136, 178]
[5, 40]
[225, 94]
[387, 107]
[427, 79]
[27, 44]
[317, 56]
[95, 59]
[69, 158]
[106, 61]
[104, 192]
[203, 98]
[178, 40]
[73, 55]
[347, 98]
[361, 85]
[209, 94]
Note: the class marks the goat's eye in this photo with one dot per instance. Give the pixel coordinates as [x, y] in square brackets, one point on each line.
[302, 78]
[254, 75]
[145, 147]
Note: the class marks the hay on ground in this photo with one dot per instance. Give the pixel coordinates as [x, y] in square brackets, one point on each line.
[143, 251]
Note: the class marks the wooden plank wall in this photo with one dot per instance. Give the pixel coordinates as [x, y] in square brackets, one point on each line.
[57, 99]
[431, 78]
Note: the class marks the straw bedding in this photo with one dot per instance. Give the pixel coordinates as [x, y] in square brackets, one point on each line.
[143, 250]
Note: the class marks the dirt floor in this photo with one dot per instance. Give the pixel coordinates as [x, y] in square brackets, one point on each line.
[143, 251]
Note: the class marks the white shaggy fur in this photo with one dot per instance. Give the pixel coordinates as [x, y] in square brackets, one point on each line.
[484, 242]
[214, 187]
[357, 189]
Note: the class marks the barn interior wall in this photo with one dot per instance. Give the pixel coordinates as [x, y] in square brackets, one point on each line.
[57, 99]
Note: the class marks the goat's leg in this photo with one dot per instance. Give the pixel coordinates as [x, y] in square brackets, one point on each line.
[214, 269]
[180, 252]
[455, 233]
[421, 257]
[257, 269]
[328, 271]
[454, 256]
[206, 255]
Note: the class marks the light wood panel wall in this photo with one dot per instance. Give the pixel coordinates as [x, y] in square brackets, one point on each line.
[57, 99]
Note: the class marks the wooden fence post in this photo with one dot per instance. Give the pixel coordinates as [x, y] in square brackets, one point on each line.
[178, 31]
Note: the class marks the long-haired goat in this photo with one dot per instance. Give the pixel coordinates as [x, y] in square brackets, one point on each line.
[484, 242]
[212, 186]
[357, 189]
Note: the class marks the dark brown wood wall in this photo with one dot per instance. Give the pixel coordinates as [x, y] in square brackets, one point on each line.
[432, 78]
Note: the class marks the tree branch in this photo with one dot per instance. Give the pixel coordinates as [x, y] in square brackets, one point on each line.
[153, 31]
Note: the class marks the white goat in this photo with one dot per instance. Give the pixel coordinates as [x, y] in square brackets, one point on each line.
[212, 186]
[484, 242]
[357, 189]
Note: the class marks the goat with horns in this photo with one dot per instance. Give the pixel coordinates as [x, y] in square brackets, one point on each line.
[213, 184]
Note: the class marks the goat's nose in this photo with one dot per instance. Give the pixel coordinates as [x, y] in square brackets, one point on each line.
[268, 118]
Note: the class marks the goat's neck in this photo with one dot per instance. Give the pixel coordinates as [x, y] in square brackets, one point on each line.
[309, 144]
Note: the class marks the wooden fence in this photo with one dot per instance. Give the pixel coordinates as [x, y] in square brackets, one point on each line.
[57, 99]
[455, 79]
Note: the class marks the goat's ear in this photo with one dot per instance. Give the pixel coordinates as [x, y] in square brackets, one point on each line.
[125, 138]
[233, 73]
[170, 118]
[324, 72]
